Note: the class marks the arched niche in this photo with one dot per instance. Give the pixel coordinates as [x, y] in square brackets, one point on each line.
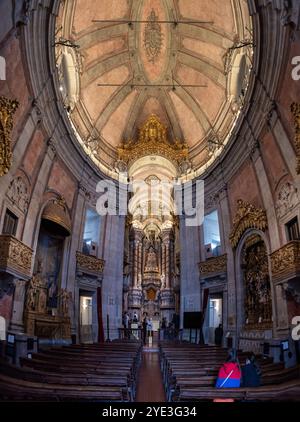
[254, 305]
[54, 229]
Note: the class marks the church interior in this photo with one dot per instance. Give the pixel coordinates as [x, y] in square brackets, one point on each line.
[149, 199]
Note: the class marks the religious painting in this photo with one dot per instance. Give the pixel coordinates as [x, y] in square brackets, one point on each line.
[48, 262]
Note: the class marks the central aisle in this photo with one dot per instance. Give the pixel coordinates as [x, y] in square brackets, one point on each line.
[150, 384]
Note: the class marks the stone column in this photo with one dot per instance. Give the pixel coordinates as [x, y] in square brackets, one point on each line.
[135, 263]
[131, 254]
[140, 262]
[163, 260]
[112, 284]
[69, 282]
[137, 258]
[231, 322]
[167, 237]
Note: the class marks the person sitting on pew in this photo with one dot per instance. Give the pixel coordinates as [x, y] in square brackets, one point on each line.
[251, 373]
[229, 374]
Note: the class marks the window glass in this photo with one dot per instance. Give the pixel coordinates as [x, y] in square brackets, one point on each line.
[293, 229]
[91, 232]
[212, 234]
[10, 223]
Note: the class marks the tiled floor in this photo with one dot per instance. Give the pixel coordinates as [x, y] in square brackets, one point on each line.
[150, 386]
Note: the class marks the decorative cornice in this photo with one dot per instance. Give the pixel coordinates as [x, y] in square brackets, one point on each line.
[213, 265]
[295, 109]
[15, 257]
[7, 110]
[247, 217]
[285, 262]
[89, 263]
[153, 141]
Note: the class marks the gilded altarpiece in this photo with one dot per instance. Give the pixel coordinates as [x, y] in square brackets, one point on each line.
[257, 288]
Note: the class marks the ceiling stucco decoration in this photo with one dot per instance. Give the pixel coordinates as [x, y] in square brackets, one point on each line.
[127, 59]
[153, 38]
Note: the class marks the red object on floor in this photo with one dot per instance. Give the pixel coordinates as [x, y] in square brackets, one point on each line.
[223, 400]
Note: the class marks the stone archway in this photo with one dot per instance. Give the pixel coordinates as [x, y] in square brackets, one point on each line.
[256, 282]
[254, 291]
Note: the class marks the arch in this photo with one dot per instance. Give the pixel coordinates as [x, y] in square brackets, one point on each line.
[240, 282]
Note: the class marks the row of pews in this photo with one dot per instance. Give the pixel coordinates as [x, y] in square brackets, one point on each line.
[94, 372]
[190, 372]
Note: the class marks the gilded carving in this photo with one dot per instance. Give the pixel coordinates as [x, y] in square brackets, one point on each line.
[247, 216]
[213, 265]
[65, 298]
[153, 37]
[7, 110]
[38, 318]
[257, 297]
[286, 260]
[36, 295]
[153, 141]
[15, 256]
[89, 263]
[295, 108]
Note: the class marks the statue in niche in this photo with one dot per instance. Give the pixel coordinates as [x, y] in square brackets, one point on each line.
[152, 261]
[64, 302]
[36, 298]
[31, 294]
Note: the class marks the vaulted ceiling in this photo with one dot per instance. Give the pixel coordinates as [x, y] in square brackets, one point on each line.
[136, 57]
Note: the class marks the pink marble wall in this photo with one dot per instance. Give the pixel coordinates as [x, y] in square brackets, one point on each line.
[62, 181]
[15, 86]
[289, 91]
[33, 152]
[244, 186]
[274, 164]
[6, 306]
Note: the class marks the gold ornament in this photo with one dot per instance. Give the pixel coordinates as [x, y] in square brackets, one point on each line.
[89, 263]
[7, 110]
[247, 217]
[153, 141]
[213, 265]
[15, 256]
[295, 108]
[285, 262]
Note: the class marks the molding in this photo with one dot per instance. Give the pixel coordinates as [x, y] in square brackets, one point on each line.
[285, 262]
[89, 264]
[7, 110]
[295, 109]
[15, 257]
[213, 266]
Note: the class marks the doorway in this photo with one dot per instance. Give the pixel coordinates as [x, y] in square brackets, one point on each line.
[86, 318]
[215, 315]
